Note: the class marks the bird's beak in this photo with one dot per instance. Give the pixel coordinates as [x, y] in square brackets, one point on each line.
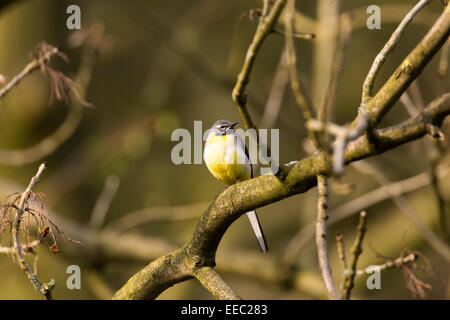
[233, 124]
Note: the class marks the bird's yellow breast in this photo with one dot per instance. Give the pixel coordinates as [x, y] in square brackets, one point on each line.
[225, 159]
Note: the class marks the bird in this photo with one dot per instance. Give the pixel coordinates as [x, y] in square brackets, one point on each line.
[226, 157]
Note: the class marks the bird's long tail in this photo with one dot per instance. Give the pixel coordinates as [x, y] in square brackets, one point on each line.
[258, 230]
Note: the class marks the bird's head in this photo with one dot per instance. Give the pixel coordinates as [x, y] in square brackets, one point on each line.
[222, 126]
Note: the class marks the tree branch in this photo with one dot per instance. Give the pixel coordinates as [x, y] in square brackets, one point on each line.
[340, 244]
[372, 110]
[409, 69]
[321, 237]
[276, 93]
[265, 26]
[43, 288]
[356, 251]
[391, 264]
[387, 49]
[28, 248]
[66, 129]
[156, 277]
[326, 27]
[35, 64]
[113, 244]
[340, 57]
[299, 93]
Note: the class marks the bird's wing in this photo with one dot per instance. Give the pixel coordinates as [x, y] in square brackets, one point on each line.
[242, 143]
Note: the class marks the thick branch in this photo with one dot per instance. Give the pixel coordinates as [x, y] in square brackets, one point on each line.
[410, 69]
[373, 109]
[116, 245]
[156, 277]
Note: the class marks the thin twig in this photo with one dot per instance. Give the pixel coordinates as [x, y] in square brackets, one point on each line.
[443, 66]
[299, 94]
[341, 252]
[387, 49]
[168, 34]
[265, 26]
[409, 105]
[43, 288]
[66, 129]
[158, 213]
[329, 103]
[321, 237]
[356, 251]
[277, 90]
[324, 48]
[104, 200]
[345, 34]
[35, 64]
[265, 9]
[340, 244]
[27, 248]
[391, 264]
[297, 35]
[416, 95]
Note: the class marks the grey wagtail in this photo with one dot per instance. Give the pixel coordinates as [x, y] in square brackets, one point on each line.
[227, 158]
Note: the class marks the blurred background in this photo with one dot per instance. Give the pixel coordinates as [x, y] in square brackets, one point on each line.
[161, 65]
